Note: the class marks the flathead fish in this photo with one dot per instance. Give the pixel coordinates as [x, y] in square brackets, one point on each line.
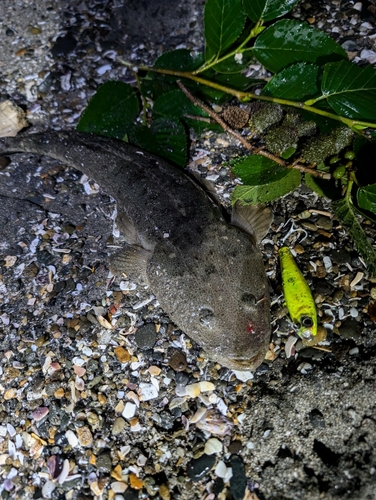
[207, 273]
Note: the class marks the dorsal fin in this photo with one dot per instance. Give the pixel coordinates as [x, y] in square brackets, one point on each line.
[253, 219]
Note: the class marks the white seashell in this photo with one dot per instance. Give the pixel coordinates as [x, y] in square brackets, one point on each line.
[72, 438]
[221, 469]
[212, 446]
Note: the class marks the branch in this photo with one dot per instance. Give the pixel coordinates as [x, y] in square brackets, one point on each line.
[243, 140]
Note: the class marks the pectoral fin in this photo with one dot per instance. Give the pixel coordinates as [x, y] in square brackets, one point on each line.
[253, 219]
[132, 261]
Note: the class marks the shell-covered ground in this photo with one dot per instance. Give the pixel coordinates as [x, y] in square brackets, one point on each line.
[100, 395]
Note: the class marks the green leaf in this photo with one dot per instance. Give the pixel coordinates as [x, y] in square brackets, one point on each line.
[180, 60]
[223, 23]
[266, 10]
[234, 64]
[323, 187]
[257, 169]
[350, 90]
[111, 111]
[298, 82]
[344, 211]
[165, 138]
[287, 42]
[267, 192]
[175, 104]
[366, 198]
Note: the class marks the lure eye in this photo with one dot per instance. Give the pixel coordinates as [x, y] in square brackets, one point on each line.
[206, 316]
[306, 321]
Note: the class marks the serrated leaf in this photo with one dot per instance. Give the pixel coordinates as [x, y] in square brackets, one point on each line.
[344, 211]
[180, 60]
[111, 111]
[366, 198]
[263, 193]
[165, 138]
[257, 169]
[234, 64]
[323, 187]
[298, 82]
[350, 90]
[223, 23]
[266, 10]
[287, 42]
[176, 104]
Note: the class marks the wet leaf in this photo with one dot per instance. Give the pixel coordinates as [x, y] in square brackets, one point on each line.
[257, 169]
[366, 198]
[350, 90]
[111, 111]
[175, 104]
[323, 187]
[298, 82]
[344, 211]
[287, 42]
[267, 192]
[165, 138]
[267, 10]
[180, 60]
[223, 23]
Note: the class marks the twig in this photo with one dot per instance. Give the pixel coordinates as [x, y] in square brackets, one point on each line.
[215, 116]
[244, 141]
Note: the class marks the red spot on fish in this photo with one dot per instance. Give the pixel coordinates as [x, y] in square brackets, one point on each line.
[250, 328]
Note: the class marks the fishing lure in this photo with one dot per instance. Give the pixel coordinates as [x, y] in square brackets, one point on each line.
[298, 296]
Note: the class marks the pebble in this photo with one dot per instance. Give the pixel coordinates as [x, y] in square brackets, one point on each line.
[122, 355]
[118, 486]
[349, 329]
[199, 467]
[146, 336]
[235, 447]
[178, 361]
[118, 426]
[104, 462]
[135, 482]
[325, 223]
[129, 410]
[238, 481]
[84, 436]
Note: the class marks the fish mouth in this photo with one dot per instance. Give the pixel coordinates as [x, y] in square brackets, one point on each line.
[249, 364]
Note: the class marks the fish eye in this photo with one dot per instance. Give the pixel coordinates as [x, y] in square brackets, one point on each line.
[306, 321]
[248, 298]
[206, 316]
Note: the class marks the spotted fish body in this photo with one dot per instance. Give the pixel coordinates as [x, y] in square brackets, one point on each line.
[298, 297]
[206, 273]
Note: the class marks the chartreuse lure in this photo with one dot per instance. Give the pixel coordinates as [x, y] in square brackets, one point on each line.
[298, 296]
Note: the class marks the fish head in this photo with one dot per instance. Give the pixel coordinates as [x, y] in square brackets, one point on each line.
[233, 325]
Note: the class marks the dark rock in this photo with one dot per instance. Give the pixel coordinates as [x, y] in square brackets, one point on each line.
[182, 378]
[199, 467]
[178, 361]
[235, 446]
[146, 336]
[349, 329]
[104, 462]
[340, 256]
[238, 480]
[64, 45]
